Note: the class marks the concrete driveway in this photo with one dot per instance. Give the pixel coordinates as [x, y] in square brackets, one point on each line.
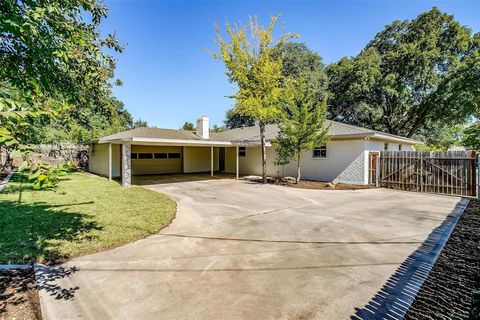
[238, 250]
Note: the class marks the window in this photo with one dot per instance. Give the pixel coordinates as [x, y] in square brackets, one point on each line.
[145, 156]
[174, 156]
[160, 155]
[134, 155]
[385, 146]
[399, 147]
[320, 152]
[242, 151]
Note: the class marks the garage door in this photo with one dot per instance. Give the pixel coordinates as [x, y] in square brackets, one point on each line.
[156, 160]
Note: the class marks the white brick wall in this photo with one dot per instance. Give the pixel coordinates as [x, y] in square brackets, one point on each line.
[345, 162]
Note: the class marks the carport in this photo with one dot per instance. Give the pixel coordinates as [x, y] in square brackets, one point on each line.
[159, 157]
[151, 151]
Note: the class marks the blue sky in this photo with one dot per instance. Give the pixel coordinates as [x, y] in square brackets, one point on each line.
[169, 78]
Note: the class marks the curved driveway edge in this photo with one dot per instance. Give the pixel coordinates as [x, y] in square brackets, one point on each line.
[240, 250]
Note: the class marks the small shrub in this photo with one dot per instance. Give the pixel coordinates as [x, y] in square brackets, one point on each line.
[43, 176]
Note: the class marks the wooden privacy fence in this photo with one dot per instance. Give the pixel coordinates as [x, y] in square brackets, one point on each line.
[442, 172]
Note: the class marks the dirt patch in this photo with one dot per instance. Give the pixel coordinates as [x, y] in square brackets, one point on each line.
[311, 184]
[18, 295]
[452, 289]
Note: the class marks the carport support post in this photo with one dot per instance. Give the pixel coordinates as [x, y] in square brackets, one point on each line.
[236, 160]
[126, 165]
[109, 161]
[211, 161]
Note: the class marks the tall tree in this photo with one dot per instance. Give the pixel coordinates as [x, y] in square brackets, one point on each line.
[303, 124]
[471, 136]
[54, 48]
[258, 75]
[300, 62]
[52, 61]
[411, 75]
[139, 123]
[233, 119]
[188, 126]
[52, 57]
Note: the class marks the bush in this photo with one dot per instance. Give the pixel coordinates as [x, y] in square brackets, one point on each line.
[43, 176]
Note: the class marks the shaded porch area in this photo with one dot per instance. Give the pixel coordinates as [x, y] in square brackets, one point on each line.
[145, 180]
[172, 162]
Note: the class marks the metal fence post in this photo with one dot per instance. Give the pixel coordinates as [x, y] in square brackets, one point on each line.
[377, 170]
[478, 176]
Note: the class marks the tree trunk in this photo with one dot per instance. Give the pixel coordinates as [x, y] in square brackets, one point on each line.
[299, 159]
[264, 152]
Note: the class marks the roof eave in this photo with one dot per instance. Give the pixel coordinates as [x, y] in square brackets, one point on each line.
[375, 135]
[396, 139]
[160, 141]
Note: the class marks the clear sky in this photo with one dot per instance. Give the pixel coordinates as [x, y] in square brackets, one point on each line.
[169, 78]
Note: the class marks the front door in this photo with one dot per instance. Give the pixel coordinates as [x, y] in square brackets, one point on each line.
[221, 159]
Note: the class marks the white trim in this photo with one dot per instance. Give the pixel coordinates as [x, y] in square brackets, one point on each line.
[109, 161]
[169, 141]
[211, 161]
[182, 142]
[375, 135]
[236, 162]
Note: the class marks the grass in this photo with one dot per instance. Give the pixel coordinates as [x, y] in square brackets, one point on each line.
[84, 214]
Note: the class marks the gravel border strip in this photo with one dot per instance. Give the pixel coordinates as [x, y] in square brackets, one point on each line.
[398, 293]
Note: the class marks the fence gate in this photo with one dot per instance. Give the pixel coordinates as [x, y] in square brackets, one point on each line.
[442, 172]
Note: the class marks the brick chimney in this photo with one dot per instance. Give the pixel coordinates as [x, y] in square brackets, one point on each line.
[203, 128]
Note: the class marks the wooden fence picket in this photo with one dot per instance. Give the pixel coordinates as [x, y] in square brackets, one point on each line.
[442, 172]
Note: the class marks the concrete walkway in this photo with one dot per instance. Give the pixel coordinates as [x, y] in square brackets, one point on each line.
[239, 250]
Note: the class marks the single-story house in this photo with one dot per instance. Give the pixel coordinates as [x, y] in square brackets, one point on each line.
[143, 151]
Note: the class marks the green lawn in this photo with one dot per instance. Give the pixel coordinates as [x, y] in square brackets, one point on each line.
[83, 215]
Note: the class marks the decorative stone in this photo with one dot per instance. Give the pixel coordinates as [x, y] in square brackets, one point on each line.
[126, 165]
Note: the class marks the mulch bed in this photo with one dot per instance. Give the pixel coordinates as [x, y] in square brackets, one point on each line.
[312, 184]
[318, 185]
[452, 289]
[18, 295]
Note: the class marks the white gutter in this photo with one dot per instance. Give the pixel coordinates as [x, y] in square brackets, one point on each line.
[375, 135]
[397, 139]
[168, 141]
[161, 141]
[219, 143]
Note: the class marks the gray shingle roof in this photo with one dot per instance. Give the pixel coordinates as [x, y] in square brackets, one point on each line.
[251, 134]
[239, 135]
[153, 133]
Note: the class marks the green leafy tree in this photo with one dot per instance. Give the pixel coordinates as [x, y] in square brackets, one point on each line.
[188, 126]
[441, 136]
[139, 123]
[303, 124]
[52, 58]
[299, 62]
[258, 75]
[412, 75]
[471, 136]
[216, 128]
[233, 119]
[54, 48]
